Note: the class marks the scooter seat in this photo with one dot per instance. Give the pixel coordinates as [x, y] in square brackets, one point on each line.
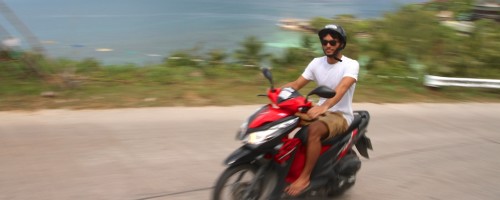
[302, 134]
[355, 124]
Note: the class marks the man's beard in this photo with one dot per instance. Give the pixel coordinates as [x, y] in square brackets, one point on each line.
[332, 55]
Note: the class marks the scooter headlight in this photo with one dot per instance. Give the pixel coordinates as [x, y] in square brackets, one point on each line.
[260, 137]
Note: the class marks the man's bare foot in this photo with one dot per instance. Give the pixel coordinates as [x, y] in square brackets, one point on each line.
[297, 187]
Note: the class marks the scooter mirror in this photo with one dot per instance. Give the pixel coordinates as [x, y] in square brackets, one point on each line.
[269, 76]
[322, 91]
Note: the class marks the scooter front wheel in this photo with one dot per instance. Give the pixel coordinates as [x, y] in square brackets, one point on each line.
[236, 183]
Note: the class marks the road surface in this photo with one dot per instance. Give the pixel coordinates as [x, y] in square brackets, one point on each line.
[421, 151]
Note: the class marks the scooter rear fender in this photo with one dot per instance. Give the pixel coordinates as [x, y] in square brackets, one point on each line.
[363, 144]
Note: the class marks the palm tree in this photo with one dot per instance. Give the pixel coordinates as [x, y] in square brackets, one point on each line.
[251, 52]
[217, 57]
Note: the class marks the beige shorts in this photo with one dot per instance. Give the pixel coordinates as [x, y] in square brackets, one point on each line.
[335, 122]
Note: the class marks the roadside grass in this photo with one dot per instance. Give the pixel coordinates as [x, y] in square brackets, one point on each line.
[162, 86]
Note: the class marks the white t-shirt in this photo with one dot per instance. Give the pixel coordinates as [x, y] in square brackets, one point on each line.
[330, 75]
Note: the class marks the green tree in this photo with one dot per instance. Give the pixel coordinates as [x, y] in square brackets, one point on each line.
[318, 23]
[307, 42]
[484, 49]
[216, 57]
[409, 33]
[251, 52]
[298, 56]
[292, 57]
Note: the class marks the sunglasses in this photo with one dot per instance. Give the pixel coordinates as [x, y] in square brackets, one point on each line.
[331, 42]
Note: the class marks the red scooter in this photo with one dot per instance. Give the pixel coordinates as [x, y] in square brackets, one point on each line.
[273, 156]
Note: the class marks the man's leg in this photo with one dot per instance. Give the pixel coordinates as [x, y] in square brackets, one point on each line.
[317, 131]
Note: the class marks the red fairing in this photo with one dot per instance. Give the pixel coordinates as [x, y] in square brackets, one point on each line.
[285, 152]
[290, 105]
[299, 161]
[268, 115]
[348, 145]
[273, 94]
[277, 111]
[293, 105]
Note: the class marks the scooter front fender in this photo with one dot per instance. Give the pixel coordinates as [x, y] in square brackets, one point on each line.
[241, 155]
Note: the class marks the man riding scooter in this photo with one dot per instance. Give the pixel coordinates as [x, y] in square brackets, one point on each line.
[332, 116]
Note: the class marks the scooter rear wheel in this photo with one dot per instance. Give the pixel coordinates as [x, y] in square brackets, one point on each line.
[347, 180]
[234, 183]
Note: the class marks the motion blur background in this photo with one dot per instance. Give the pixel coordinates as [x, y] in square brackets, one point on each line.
[188, 73]
[69, 54]
[146, 31]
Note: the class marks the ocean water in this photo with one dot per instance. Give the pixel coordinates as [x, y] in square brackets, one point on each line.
[147, 31]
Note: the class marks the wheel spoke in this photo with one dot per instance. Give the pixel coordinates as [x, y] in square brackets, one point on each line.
[234, 183]
[241, 176]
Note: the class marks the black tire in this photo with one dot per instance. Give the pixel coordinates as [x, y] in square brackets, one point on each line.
[342, 190]
[237, 188]
[348, 184]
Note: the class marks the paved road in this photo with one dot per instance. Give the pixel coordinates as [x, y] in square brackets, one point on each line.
[422, 151]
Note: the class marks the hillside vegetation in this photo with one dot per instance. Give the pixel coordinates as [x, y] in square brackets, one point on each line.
[395, 52]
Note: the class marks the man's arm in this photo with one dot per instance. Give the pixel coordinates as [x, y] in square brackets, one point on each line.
[341, 89]
[297, 84]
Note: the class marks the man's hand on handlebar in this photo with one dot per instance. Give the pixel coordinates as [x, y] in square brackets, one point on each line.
[316, 111]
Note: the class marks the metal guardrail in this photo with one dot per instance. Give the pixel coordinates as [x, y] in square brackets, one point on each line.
[438, 81]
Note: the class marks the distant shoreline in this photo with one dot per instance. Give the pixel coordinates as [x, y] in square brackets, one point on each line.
[135, 29]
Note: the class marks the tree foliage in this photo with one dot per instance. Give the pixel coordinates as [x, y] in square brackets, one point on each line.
[409, 42]
[251, 52]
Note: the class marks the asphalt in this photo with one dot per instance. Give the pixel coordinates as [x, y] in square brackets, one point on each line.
[421, 151]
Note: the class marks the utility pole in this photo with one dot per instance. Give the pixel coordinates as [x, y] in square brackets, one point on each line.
[21, 27]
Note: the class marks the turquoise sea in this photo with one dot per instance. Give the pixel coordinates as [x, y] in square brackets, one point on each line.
[146, 31]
